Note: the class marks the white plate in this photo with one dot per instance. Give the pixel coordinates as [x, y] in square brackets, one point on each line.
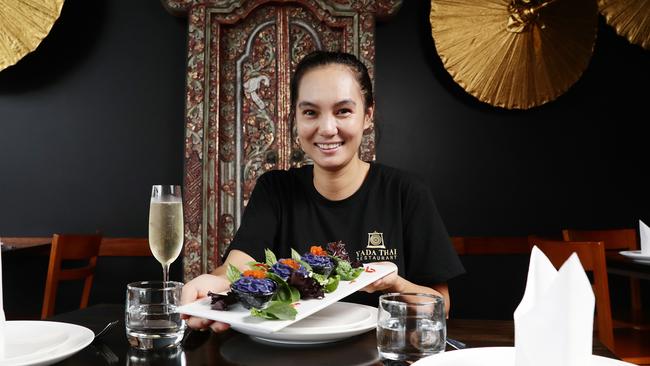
[635, 254]
[42, 342]
[336, 322]
[239, 317]
[494, 356]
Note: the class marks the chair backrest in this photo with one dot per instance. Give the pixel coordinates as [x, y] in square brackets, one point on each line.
[70, 247]
[592, 257]
[614, 239]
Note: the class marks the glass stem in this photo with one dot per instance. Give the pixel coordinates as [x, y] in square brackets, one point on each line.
[165, 272]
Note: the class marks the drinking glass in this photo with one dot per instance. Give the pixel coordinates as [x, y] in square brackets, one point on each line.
[174, 356]
[410, 326]
[166, 225]
[152, 320]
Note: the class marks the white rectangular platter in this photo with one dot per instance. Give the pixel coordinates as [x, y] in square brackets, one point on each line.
[239, 317]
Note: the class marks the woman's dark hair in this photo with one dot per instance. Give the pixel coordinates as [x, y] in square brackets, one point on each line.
[322, 58]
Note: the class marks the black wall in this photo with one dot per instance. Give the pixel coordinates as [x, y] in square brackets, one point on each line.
[88, 122]
[94, 117]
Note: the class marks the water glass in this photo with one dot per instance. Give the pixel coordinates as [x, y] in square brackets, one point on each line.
[174, 356]
[152, 321]
[410, 326]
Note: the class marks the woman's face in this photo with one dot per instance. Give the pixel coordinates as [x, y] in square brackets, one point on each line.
[330, 116]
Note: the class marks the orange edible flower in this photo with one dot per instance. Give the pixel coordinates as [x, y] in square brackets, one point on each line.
[290, 262]
[317, 250]
[255, 273]
[369, 269]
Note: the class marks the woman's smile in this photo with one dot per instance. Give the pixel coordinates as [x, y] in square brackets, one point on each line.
[329, 147]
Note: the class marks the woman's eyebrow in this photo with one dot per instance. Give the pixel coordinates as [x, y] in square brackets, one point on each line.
[345, 102]
[306, 104]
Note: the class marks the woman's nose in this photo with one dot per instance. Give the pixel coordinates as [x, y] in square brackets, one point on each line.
[327, 126]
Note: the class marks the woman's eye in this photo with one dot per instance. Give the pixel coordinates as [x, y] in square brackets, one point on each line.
[344, 111]
[308, 113]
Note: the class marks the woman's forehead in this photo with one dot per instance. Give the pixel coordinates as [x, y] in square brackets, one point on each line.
[329, 84]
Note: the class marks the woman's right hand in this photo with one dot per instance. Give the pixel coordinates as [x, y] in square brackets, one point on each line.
[198, 288]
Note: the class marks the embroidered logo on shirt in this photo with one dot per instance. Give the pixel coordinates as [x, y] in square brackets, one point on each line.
[376, 249]
[376, 240]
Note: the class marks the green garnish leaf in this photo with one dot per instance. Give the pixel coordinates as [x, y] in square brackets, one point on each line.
[270, 258]
[332, 283]
[232, 273]
[322, 280]
[345, 270]
[284, 292]
[329, 284]
[276, 310]
[295, 255]
[295, 294]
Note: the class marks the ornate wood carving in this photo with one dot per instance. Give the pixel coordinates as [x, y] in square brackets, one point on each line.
[240, 58]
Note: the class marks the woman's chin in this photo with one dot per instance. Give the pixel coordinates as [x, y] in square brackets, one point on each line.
[331, 163]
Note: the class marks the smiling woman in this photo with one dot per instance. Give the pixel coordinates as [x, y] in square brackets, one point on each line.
[379, 212]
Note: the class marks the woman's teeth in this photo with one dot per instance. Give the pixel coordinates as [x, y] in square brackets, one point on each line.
[328, 146]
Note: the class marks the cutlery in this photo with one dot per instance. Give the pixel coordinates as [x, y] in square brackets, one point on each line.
[108, 327]
[105, 352]
[456, 344]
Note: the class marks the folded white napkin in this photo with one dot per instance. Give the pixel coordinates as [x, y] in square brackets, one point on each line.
[644, 233]
[554, 321]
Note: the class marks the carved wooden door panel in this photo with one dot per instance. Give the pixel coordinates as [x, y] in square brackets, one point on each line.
[241, 55]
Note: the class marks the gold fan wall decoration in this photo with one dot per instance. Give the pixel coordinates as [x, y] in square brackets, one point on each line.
[23, 25]
[630, 18]
[514, 54]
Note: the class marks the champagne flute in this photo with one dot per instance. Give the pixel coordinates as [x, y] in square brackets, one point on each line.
[166, 225]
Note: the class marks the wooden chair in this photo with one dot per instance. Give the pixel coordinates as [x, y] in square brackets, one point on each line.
[592, 257]
[615, 240]
[70, 247]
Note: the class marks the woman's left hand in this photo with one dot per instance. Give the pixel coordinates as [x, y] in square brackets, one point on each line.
[390, 283]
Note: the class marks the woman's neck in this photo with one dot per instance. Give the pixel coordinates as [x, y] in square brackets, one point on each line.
[343, 183]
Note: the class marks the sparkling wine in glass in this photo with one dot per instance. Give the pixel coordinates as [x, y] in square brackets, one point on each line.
[166, 225]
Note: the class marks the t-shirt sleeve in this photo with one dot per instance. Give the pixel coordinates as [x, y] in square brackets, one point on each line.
[430, 255]
[259, 222]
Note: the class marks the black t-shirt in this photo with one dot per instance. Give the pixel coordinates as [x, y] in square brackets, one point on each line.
[392, 217]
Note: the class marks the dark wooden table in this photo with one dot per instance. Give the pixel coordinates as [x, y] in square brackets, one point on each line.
[232, 348]
[620, 265]
[26, 245]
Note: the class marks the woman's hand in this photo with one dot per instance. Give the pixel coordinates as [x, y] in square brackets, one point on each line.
[390, 283]
[395, 283]
[198, 288]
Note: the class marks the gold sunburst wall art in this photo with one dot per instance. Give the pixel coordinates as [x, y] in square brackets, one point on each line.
[514, 54]
[23, 25]
[630, 18]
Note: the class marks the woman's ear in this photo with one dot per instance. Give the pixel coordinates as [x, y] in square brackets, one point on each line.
[369, 117]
